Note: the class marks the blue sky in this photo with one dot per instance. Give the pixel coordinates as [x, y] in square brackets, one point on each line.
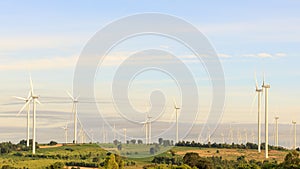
[46, 37]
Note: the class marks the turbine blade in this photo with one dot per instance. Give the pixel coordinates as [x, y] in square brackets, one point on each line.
[23, 108]
[175, 105]
[255, 78]
[20, 98]
[28, 96]
[31, 84]
[73, 107]
[77, 97]
[37, 101]
[264, 79]
[70, 95]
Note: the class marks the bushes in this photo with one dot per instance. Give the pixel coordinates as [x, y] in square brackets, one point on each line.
[56, 165]
[52, 143]
[225, 145]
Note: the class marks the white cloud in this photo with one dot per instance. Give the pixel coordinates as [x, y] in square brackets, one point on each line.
[265, 55]
[222, 55]
[280, 54]
[39, 64]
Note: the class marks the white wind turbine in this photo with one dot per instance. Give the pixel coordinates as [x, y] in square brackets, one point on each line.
[176, 111]
[35, 100]
[295, 134]
[276, 131]
[65, 128]
[146, 127]
[125, 132]
[258, 91]
[27, 104]
[74, 110]
[266, 89]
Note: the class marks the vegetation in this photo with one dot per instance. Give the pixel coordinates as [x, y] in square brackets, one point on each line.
[225, 145]
[193, 160]
[186, 155]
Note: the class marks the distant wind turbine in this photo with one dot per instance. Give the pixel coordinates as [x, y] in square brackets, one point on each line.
[35, 100]
[223, 139]
[276, 131]
[74, 110]
[176, 111]
[258, 91]
[266, 89]
[65, 128]
[295, 134]
[125, 130]
[27, 104]
[147, 126]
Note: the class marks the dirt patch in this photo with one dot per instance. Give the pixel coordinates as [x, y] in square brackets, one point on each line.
[52, 146]
[232, 154]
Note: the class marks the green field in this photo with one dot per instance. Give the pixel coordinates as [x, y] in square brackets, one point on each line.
[139, 154]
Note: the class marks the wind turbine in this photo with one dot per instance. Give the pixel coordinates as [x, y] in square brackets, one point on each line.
[35, 100]
[125, 130]
[266, 89]
[66, 132]
[74, 110]
[223, 139]
[230, 135]
[27, 104]
[246, 136]
[258, 91]
[114, 130]
[295, 134]
[146, 127]
[208, 136]
[176, 111]
[276, 131]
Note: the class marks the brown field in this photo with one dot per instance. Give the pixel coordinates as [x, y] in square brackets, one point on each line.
[232, 154]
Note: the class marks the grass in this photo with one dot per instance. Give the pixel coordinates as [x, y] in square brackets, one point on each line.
[86, 152]
[232, 154]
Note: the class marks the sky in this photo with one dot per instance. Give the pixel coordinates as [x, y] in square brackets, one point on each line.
[46, 38]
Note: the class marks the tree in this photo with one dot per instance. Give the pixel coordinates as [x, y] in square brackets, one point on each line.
[291, 160]
[116, 142]
[133, 141]
[152, 150]
[120, 147]
[160, 141]
[191, 159]
[52, 143]
[140, 141]
[110, 162]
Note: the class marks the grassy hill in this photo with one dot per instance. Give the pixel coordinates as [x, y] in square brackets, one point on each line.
[91, 154]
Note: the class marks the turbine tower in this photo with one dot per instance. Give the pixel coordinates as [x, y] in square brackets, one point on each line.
[266, 87]
[35, 100]
[114, 130]
[74, 110]
[223, 139]
[258, 91]
[246, 136]
[27, 104]
[66, 132]
[176, 111]
[125, 130]
[295, 134]
[276, 131]
[150, 128]
[145, 126]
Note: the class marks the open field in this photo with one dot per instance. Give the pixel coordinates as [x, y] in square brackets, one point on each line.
[87, 153]
[232, 154]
